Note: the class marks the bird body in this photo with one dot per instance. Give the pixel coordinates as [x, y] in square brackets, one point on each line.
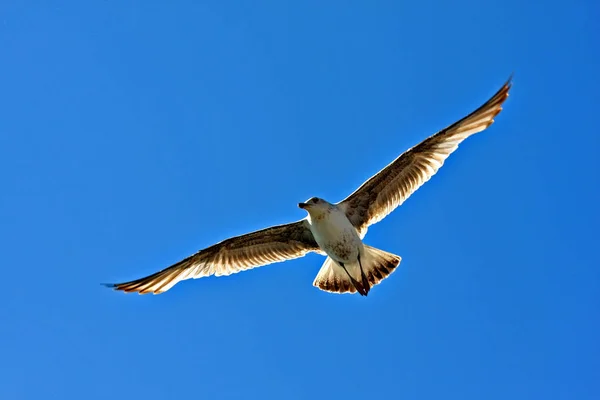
[350, 264]
[335, 230]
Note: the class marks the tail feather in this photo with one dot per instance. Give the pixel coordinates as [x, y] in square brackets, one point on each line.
[332, 278]
[376, 266]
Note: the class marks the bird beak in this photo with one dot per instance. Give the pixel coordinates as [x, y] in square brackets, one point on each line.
[303, 205]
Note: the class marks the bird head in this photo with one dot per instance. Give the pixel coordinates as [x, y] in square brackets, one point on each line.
[315, 206]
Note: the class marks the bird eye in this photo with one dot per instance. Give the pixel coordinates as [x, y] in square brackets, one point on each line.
[315, 199]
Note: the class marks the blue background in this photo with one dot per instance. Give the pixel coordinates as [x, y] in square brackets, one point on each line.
[134, 133]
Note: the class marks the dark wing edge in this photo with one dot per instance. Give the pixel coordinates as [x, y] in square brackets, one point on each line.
[270, 245]
[390, 187]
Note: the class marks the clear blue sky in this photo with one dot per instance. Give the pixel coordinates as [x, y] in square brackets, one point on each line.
[134, 133]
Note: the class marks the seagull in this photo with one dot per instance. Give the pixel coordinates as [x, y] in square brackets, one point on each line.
[335, 230]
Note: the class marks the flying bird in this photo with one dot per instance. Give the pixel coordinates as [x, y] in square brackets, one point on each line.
[335, 230]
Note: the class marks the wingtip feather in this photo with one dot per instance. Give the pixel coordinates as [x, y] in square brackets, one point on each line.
[109, 285]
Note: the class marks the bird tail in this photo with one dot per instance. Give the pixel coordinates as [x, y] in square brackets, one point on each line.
[376, 266]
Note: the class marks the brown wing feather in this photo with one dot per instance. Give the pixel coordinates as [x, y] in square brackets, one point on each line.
[390, 187]
[266, 246]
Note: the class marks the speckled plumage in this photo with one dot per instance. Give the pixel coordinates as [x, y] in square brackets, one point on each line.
[333, 232]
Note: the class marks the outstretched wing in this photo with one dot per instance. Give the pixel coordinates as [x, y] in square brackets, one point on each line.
[391, 186]
[266, 246]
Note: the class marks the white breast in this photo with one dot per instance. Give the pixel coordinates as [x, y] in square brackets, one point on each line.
[335, 235]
